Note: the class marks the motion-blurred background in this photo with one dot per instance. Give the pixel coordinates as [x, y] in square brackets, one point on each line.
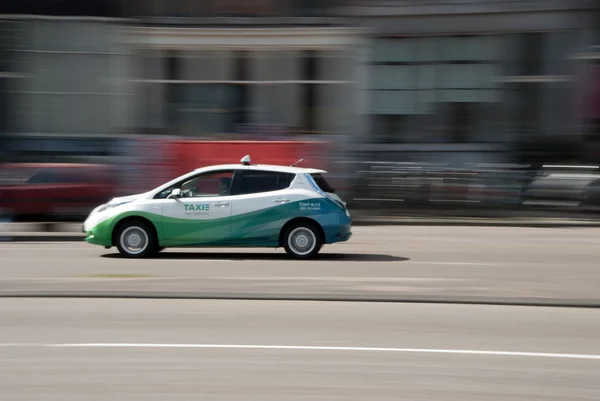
[463, 107]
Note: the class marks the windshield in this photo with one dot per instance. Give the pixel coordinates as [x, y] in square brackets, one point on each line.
[322, 183]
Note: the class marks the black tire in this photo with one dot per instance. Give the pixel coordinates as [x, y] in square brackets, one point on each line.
[145, 235]
[302, 240]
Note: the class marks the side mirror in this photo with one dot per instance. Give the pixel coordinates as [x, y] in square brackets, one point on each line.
[175, 193]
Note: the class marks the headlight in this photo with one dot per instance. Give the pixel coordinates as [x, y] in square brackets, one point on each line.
[97, 209]
[110, 205]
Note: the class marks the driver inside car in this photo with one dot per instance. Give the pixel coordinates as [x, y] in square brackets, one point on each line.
[225, 184]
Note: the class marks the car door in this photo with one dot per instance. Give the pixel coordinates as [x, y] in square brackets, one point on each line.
[201, 215]
[260, 207]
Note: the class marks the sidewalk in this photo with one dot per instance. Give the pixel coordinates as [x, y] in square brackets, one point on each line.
[57, 232]
[40, 232]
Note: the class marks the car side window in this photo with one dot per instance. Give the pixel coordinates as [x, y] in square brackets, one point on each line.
[165, 192]
[214, 183]
[257, 181]
[48, 176]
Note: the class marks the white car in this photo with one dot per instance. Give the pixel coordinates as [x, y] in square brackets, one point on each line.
[240, 205]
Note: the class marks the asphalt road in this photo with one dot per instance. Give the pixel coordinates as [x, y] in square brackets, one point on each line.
[126, 349]
[445, 264]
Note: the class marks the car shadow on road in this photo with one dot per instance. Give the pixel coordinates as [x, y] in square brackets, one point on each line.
[344, 257]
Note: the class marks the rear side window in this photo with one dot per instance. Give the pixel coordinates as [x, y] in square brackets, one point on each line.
[285, 180]
[322, 183]
[256, 181]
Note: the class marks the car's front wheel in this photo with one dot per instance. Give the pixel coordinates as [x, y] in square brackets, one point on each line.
[136, 239]
[302, 241]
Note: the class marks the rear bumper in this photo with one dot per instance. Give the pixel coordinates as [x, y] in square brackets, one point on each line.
[346, 237]
[342, 233]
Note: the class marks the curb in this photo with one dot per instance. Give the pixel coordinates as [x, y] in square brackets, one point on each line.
[40, 237]
[477, 223]
[374, 222]
[499, 301]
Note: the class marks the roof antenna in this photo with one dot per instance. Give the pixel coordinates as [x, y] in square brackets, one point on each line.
[298, 162]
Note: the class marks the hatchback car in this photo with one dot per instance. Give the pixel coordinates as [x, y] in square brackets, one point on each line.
[53, 191]
[241, 205]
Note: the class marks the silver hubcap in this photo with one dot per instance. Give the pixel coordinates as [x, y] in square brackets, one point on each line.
[302, 241]
[134, 240]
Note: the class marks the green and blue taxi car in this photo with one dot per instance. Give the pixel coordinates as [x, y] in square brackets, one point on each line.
[239, 205]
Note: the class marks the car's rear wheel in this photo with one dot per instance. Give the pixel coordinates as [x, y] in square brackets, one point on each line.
[136, 239]
[302, 240]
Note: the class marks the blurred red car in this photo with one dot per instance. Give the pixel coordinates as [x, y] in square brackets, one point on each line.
[57, 192]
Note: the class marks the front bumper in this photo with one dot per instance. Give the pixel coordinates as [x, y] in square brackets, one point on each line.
[97, 230]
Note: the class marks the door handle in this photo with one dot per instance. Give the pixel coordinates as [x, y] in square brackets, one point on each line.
[280, 200]
[221, 204]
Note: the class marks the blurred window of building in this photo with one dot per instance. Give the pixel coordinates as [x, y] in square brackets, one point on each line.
[431, 89]
[260, 93]
[192, 93]
[485, 88]
[68, 87]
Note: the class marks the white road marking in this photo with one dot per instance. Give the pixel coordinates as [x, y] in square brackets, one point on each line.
[92, 278]
[310, 348]
[457, 263]
[361, 279]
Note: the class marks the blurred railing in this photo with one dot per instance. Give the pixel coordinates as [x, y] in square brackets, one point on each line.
[389, 188]
[375, 7]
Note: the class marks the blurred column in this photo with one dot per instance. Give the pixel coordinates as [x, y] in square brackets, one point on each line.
[558, 116]
[260, 65]
[21, 101]
[122, 74]
[361, 123]
[151, 91]
[334, 97]
[284, 102]
[8, 74]
[326, 92]
[486, 50]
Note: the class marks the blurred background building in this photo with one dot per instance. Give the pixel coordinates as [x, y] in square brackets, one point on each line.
[444, 81]
[430, 76]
